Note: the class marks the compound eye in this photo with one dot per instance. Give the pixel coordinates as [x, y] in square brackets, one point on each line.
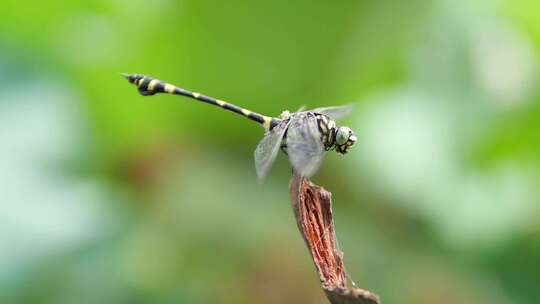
[342, 135]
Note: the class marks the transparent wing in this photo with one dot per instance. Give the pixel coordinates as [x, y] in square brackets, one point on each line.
[268, 148]
[335, 112]
[304, 144]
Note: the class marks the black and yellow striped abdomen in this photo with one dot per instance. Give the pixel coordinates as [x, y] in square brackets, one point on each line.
[150, 86]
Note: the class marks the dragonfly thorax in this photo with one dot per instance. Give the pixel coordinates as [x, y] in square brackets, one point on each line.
[333, 137]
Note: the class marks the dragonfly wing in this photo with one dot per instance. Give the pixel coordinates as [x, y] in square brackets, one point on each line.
[304, 144]
[335, 112]
[268, 148]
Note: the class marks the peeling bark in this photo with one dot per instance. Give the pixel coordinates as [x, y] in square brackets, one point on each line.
[312, 207]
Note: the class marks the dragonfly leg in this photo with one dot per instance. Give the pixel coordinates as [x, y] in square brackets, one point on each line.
[284, 149]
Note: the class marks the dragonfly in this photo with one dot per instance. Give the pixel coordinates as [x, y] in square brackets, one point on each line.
[304, 136]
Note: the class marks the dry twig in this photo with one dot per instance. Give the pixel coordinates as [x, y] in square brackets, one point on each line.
[312, 207]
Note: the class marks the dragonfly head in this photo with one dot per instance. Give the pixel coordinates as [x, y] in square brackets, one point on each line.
[344, 139]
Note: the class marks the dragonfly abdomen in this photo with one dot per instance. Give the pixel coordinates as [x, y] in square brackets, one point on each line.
[149, 86]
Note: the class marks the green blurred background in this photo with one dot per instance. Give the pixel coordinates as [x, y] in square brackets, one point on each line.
[109, 197]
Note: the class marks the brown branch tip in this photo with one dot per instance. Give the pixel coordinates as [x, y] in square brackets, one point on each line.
[312, 206]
